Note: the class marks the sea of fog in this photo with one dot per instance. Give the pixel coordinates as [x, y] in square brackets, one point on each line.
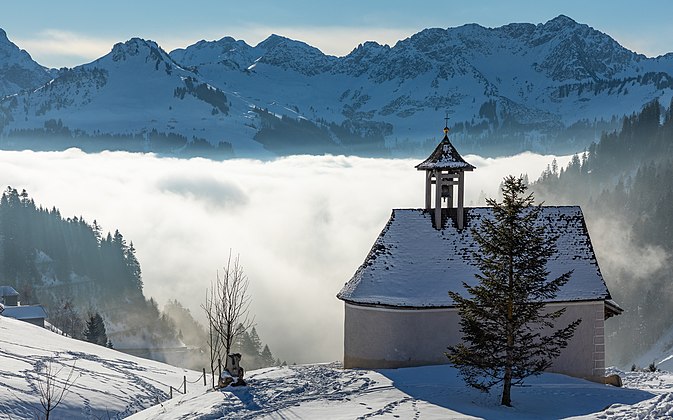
[301, 224]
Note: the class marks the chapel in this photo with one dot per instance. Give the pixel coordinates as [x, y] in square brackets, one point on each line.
[397, 309]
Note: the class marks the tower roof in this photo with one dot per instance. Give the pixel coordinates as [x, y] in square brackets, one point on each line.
[445, 157]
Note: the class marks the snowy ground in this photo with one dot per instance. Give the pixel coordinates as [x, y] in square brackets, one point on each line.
[661, 354]
[106, 383]
[329, 392]
[110, 384]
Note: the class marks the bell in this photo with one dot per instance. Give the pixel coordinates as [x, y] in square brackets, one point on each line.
[446, 191]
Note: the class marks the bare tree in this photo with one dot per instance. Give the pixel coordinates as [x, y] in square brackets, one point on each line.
[227, 305]
[52, 389]
[214, 342]
[66, 318]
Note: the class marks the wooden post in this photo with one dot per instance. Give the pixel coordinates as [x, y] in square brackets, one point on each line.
[171, 394]
[461, 199]
[184, 384]
[204, 377]
[428, 189]
[438, 199]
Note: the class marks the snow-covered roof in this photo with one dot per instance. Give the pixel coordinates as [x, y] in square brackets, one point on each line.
[25, 312]
[412, 264]
[444, 157]
[8, 291]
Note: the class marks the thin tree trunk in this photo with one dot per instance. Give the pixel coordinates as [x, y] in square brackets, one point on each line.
[507, 387]
[507, 383]
[507, 380]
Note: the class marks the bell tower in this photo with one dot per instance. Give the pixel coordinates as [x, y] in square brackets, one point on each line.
[445, 168]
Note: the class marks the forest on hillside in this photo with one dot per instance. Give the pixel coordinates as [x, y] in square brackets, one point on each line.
[624, 183]
[79, 273]
[41, 252]
[76, 271]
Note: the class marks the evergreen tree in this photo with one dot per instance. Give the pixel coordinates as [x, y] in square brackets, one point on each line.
[267, 357]
[95, 330]
[507, 334]
[133, 267]
[255, 343]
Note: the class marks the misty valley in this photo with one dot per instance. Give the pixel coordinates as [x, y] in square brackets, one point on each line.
[300, 225]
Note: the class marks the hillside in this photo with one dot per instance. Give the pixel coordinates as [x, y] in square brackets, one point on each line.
[74, 269]
[106, 383]
[547, 87]
[110, 384]
[329, 392]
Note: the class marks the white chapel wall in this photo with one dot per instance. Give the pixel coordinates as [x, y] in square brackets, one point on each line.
[376, 337]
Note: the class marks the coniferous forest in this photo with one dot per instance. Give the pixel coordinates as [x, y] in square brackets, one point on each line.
[42, 253]
[90, 284]
[75, 271]
[624, 183]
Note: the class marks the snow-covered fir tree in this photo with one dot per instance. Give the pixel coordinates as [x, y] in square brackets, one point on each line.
[507, 335]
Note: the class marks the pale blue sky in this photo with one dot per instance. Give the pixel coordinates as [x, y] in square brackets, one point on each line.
[72, 32]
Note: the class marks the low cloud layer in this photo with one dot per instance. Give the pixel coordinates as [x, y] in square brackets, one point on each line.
[302, 224]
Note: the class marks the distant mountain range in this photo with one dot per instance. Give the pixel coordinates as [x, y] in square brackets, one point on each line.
[549, 87]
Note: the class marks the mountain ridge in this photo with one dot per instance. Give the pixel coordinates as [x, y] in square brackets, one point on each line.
[17, 68]
[517, 87]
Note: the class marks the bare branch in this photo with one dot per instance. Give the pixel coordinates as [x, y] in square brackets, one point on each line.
[227, 308]
[52, 391]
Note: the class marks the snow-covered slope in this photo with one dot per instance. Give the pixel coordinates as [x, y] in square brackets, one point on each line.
[18, 71]
[110, 384]
[106, 383]
[329, 392]
[661, 354]
[521, 79]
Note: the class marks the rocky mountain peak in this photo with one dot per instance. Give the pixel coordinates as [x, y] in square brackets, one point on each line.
[138, 54]
[134, 47]
[561, 21]
[10, 51]
[273, 41]
[289, 54]
[579, 52]
[3, 37]
[17, 69]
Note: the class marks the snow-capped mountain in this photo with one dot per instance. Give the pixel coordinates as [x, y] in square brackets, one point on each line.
[526, 86]
[134, 98]
[18, 71]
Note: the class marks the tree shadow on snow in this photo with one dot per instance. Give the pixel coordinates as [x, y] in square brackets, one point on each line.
[547, 396]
